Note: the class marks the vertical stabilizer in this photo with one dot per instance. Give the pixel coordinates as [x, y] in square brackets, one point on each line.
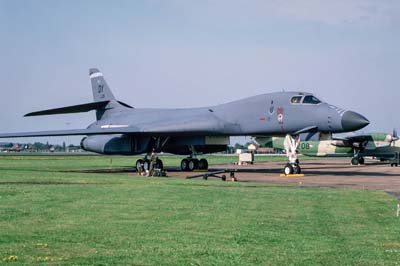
[101, 91]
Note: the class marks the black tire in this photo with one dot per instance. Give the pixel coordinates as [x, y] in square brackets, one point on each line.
[146, 164]
[298, 169]
[361, 160]
[138, 164]
[223, 177]
[193, 164]
[203, 164]
[185, 165]
[159, 164]
[288, 170]
[355, 161]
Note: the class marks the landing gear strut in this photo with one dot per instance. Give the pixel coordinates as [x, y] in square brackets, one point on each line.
[357, 159]
[191, 164]
[291, 144]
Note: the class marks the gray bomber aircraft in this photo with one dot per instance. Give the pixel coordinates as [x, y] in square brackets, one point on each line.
[123, 130]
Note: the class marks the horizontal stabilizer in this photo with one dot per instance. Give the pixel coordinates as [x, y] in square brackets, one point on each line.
[72, 109]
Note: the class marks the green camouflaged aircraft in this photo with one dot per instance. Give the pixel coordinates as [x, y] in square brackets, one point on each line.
[382, 146]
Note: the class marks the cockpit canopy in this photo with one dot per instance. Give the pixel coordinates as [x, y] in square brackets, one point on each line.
[305, 99]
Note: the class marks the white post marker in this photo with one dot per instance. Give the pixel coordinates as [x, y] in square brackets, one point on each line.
[398, 210]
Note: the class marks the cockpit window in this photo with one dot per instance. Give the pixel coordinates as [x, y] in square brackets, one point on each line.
[296, 99]
[309, 99]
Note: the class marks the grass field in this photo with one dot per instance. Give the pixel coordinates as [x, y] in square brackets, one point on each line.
[52, 163]
[49, 216]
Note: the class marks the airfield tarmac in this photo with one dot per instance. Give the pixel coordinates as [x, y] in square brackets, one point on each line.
[329, 173]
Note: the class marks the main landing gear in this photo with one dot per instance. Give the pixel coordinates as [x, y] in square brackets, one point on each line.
[145, 164]
[191, 164]
[187, 164]
[291, 143]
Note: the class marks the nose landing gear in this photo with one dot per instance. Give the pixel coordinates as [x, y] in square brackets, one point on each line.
[291, 169]
[291, 144]
[357, 158]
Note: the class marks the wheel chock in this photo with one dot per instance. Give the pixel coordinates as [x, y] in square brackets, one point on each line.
[292, 175]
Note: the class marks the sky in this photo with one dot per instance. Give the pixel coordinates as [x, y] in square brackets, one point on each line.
[179, 53]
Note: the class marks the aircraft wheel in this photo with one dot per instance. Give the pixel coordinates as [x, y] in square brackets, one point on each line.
[138, 164]
[355, 161]
[146, 164]
[203, 164]
[361, 160]
[185, 165]
[288, 170]
[159, 164]
[193, 164]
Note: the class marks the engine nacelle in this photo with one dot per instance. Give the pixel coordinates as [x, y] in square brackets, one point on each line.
[115, 144]
[340, 143]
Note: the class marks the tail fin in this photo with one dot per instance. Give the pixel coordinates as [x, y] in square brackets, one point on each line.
[101, 91]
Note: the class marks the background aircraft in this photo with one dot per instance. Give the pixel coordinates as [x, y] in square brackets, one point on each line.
[122, 129]
[16, 147]
[382, 146]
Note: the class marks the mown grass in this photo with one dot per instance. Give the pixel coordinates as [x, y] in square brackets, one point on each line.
[62, 218]
[52, 163]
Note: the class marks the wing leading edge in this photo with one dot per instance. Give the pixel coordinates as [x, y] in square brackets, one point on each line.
[70, 132]
[154, 131]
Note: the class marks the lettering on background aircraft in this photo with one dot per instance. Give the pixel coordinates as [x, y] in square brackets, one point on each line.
[304, 146]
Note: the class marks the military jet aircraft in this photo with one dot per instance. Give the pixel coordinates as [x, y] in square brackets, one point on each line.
[382, 146]
[125, 130]
[14, 148]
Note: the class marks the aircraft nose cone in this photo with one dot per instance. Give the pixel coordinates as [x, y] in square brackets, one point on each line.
[352, 121]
